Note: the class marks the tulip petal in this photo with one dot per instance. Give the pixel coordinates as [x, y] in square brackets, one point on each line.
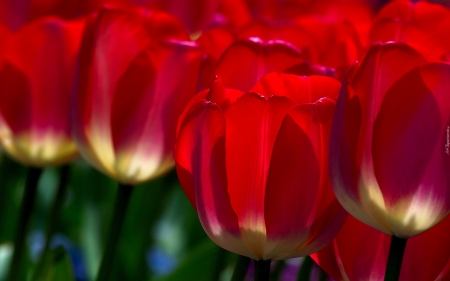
[200, 155]
[289, 32]
[432, 243]
[349, 245]
[410, 122]
[12, 80]
[255, 58]
[37, 77]
[300, 194]
[344, 168]
[302, 89]
[195, 15]
[292, 190]
[51, 43]
[215, 41]
[236, 12]
[223, 97]
[355, 184]
[251, 127]
[342, 258]
[429, 43]
[111, 127]
[217, 94]
[155, 109]
[105, 34]
[162, 26]
[419, 23]
[424, 14]
[328, 259]
[332, 42]
[5, 36]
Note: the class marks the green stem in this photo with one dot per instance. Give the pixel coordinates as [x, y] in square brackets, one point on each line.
[220, 263]
[305, 269]
[122, 200]
[241, 268]
[394, 263]
[26, 208]
[322, 275]
[53, 220]
[262, 270]
[158, 193]
[278, 269]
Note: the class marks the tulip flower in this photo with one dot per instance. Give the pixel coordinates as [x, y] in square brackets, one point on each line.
[421, 23]
[388, 157]
[5, 35]
[322, 41]
[388, 162]
[15, 14]
[215, 41]
[426, 254]
[195, 15]
[254, 165]
[136, 74]
[37, 66]
[36, 81]
[235, 12]
[257, 57]
[445, 273]
[357, 12]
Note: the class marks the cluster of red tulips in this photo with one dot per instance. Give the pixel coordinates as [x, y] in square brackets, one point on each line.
[296, 127]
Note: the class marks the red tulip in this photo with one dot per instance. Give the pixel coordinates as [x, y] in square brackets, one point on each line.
[236, 12]
[445, 273]
[425, 258]
[254, 165]
[136, 75]
[16, 13]
[421, 23]
[215, 41]
[5, 36]
[322, 41]
[388, 157]
[289, 32]
[247, 60]
[333, 43]
[36, 82]
[195, 15]
[357, 12]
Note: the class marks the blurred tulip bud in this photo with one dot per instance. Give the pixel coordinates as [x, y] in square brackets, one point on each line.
[136, 75]
[256, 58]
[36, 83]
[421, 23]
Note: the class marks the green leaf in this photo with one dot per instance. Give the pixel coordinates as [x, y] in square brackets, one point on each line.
[199, 264]
[6, 250]
[59, 266]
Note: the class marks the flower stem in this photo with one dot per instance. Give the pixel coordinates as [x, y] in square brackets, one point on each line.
[122, 200]
[220, 263]
[262, 270]
[394, 263]
[306, 266]
[277, 270]
[53, 220]
[241, 268]
[26, 208]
